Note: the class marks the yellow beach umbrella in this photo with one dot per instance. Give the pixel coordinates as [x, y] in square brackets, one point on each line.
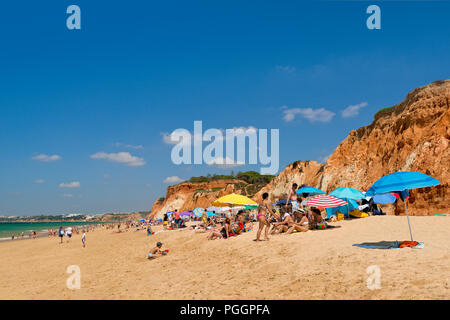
[234, 200]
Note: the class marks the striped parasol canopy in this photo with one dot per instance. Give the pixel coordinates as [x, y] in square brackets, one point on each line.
[198, 212]
[325, 201]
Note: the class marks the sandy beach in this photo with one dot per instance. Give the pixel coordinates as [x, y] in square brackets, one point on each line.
[312, 265]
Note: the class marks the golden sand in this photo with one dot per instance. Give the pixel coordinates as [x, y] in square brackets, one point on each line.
[312, 265]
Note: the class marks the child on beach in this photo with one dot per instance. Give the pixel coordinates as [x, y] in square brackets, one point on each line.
[156, 251]
[83, 239]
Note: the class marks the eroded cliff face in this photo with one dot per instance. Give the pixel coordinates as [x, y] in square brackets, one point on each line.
[187, 196]
[300, 172]
[412, 136]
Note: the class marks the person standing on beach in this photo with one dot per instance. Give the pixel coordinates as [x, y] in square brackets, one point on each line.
[83, 239]
[61, 233]
[292, 198]
[204, 217]
[12, 236]
[264, 213]
[176, 217]
[69, 233]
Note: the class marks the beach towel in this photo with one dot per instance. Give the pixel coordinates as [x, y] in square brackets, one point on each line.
[390, 245]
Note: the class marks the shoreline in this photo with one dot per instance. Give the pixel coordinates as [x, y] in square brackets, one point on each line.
[42, 232]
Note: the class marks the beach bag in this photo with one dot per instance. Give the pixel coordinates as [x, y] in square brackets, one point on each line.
[405, 244]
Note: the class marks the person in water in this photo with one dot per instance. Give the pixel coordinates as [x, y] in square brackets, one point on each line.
[264, 213]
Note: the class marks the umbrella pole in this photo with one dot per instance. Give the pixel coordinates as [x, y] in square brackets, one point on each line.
[348, 211]
[409, 224]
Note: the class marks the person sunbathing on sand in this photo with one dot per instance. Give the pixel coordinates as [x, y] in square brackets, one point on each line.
[223, 233]
[300, 224]
[239, 225]
[282, 226]
[215, 233]
[264, 213]
[156, 251]
[316, 221]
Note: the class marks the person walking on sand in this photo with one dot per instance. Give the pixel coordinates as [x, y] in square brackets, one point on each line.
[69, 233]
[61, 233]
[83, 239]
[264, 212]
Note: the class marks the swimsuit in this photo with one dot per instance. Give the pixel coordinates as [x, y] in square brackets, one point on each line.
[223, 232]
[261, 214]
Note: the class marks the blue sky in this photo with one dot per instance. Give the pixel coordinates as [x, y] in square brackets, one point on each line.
[139, 69]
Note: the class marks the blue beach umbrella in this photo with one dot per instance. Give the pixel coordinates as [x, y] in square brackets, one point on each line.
[402, 181]
[308, 191]
[347, 193]
[281, 202]
[210, 214]
[384, 198]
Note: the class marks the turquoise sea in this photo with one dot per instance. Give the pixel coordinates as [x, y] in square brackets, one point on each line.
[6, 228]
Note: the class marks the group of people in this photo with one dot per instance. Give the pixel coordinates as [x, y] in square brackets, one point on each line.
[173, 220]
[292, 216]
[31, 235]
[67, 232]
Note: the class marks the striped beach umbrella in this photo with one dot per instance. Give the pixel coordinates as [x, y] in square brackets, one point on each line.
[325, 201]
[198, 212]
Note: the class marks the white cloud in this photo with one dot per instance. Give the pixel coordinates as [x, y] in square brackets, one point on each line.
[353, 110]
[167, 138]
[46, 158]
[67, 195]
[39, 181]
[120, 144]
[73, 184]
[172, 179]
[313, 115]
[286, 69]
[224, 163]
[120, 157]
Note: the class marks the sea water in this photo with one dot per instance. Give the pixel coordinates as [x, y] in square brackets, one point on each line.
[7, 228]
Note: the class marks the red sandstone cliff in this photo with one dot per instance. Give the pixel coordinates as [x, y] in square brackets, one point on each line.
[412, 136]
[187, 196]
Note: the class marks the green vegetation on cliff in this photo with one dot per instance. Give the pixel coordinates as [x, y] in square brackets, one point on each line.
[251, 177]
